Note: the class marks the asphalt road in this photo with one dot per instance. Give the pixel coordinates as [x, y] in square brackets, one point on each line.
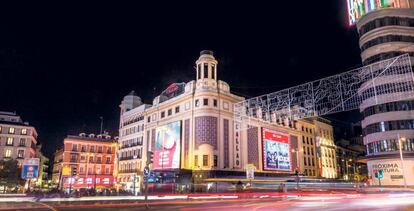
[383, 201]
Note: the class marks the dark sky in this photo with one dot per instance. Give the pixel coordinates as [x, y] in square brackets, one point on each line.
[64, 65]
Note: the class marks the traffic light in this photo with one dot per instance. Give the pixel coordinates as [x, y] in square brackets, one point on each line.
[381, 174]
[150, 157]
[376, 173]
[74, 171]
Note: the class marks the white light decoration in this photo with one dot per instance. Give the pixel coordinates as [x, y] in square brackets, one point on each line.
[378, 83]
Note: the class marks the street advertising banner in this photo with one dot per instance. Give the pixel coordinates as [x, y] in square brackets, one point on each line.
[276, 151]
[30, 168]
[392, 171]
[85, 181]
[167, 146]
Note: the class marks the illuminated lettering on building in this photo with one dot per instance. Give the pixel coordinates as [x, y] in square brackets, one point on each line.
[237, 146]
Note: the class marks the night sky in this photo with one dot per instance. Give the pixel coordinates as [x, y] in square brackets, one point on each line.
[62, 66]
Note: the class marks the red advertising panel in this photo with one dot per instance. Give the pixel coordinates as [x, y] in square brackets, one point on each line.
[85, 181]
[276, 151]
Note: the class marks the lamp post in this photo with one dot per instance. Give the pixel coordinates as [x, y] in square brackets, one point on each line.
[402, 159]
[297, 166]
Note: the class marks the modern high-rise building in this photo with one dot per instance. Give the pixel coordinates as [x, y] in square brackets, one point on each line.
[17, 138]
[386, 30]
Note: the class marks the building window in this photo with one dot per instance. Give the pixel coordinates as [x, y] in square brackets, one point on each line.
[24, 131]
[197, 103]
[205, 160]
[22, 142]
[83, 158]
[108, 160]
[73, 157]
[7, 153]
[11, 130]
[74, 147]
[148, 119]
[205, 101]
[212, 71]
[91, 159]
[100, 149]
[215, 161]
[92, 149]
[106, 170]
[81, 170]
[83, 148]
[20, 153]
[195, 160]
[198, 71]
[169, 112]
[163, 114]
[9, 141]
[205, 70]
[215, 103]
[99, 160]
[0, 129]
[177, 109]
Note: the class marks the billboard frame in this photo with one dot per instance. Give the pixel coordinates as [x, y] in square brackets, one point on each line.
[180, 142]
[263, 129]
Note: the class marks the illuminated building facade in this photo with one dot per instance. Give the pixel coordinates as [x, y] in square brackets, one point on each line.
[386, 30]
[191, 131]
[130, 162]
[91, 162]
[57, 167]
[17, 138]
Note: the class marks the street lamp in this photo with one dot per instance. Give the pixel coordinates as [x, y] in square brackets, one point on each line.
[297, 166]
[402, 158]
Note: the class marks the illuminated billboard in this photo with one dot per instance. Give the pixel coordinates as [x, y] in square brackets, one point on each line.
[359, 8]
[167, 146]
[276, 151]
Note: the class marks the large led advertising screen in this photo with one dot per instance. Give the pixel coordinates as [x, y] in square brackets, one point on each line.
[167, 146]
[359, 8]
[276, 151]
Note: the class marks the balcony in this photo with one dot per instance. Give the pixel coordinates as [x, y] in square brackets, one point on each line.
[130, 157]
[129, 171]
[131, 145]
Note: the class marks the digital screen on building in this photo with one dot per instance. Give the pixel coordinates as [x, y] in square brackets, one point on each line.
[167, 146]
[359, 8]
[276, 151]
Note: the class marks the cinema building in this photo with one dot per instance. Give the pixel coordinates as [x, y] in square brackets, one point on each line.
[386, 30]
[190, 129]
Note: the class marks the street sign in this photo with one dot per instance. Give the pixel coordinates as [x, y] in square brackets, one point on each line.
[66, 171]
[146, 171]
[30, 168]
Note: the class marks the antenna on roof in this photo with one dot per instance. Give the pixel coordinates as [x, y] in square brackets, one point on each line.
[101, 124]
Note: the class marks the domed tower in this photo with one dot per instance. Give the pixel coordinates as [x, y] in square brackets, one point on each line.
[206, 70]
[130, 101]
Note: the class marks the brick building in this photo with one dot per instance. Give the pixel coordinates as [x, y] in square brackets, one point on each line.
[91, 162]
